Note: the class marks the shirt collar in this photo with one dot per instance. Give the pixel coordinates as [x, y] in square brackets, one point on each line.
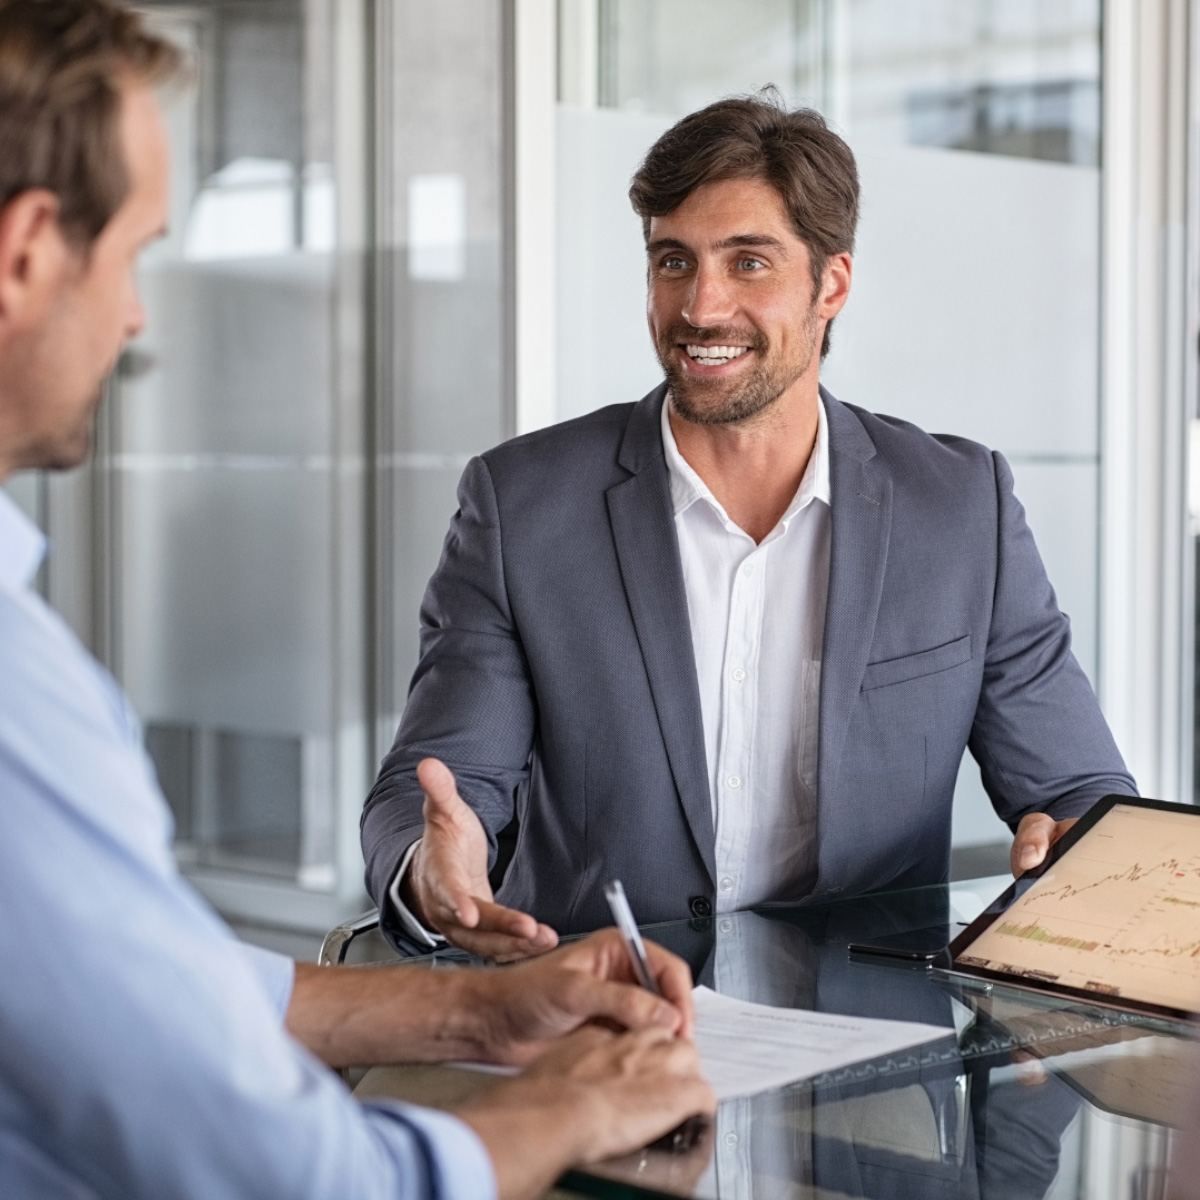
[687, 487]
[22, 546]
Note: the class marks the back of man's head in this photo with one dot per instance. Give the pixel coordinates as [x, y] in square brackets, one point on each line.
[759, 137]
[62, 66]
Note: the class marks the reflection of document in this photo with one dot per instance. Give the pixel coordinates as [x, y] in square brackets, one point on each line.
[748, 1048]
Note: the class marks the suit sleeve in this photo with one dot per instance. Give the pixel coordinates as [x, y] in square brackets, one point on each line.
[1039, 737]
[471, 700]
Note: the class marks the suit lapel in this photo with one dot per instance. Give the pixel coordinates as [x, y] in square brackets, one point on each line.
[643, 528]
[861, 516]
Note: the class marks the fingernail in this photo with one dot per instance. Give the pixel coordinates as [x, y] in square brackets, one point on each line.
[1029, 858]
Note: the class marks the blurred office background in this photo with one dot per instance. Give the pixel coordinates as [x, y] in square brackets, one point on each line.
[400, 234]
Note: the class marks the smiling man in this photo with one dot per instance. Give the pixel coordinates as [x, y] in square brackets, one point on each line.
[731, 642]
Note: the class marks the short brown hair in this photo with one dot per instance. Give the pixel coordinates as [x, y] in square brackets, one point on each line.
[759, 137]
[62, 66]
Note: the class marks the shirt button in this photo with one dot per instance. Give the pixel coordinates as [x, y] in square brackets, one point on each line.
[726, 883]
[731, 1140]
[726, 926]
[734, 781]
[748, 568]
[738, 674]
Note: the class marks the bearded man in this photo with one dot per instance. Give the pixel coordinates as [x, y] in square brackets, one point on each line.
[728, 643]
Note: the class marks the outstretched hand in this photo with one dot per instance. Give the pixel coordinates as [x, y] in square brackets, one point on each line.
[447, 881]
[1036, 833]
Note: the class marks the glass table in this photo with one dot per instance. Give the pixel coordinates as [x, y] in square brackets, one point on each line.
[1032, 1097]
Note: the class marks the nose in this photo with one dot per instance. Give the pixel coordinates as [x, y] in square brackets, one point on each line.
[709, 300]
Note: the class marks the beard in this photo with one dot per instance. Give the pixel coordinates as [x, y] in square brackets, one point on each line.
[728, 402]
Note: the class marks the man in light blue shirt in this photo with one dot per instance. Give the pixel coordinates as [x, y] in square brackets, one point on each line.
[144, 1051]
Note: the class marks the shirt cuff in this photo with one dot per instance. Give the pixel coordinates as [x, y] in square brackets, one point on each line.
[276, 973]
[408, 922]
[462, 1164]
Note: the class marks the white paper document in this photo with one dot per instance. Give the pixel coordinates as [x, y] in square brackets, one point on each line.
[748, 1048]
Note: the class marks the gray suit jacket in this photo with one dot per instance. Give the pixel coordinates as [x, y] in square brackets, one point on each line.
[557, 678]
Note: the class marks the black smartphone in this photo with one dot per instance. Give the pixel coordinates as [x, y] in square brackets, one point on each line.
[917, 946]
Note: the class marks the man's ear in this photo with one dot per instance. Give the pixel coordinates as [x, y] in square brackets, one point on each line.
[835, 285]
[33, 256]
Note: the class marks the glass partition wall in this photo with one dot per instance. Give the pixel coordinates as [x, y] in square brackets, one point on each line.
[277, 455]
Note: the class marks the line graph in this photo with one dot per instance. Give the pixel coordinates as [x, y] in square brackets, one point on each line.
[1134, 873]
[1119, 914]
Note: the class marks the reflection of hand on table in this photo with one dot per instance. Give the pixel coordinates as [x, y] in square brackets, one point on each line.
[665, 1170]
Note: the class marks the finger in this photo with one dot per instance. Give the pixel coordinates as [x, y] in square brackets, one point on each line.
[496, 918]
[500, 947]
[674, 979]
[605, 955]
[560, 1056]
[628, 1006]
[1061, 827]
[1032, 842]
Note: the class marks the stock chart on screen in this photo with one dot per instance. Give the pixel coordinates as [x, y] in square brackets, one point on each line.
[1118, 915]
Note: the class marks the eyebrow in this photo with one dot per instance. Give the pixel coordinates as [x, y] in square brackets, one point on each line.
[739, 241]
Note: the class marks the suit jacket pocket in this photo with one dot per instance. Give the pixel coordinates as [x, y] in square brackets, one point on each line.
[913, 666]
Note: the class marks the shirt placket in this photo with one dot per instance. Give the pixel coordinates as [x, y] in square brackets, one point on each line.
[739, 690]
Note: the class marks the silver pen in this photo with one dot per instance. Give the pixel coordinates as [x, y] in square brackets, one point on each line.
[614, 893]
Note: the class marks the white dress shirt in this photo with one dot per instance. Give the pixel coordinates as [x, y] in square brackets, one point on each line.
[757, 614]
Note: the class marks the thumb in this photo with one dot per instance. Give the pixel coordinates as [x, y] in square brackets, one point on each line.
[1033, 840]
[451, 886]
[437, 782]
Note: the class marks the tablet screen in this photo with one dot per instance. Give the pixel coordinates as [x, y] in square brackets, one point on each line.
[1116, 916]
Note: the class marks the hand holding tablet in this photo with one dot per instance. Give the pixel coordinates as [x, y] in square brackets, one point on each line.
[1112, 916]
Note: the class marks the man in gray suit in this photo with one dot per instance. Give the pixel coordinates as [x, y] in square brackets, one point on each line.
[729, 643]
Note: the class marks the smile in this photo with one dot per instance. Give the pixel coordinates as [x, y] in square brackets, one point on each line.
[715, 356]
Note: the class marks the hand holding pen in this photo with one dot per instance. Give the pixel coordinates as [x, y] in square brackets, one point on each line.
[688, 1135]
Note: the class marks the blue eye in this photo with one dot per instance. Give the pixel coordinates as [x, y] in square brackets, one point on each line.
[749, 264]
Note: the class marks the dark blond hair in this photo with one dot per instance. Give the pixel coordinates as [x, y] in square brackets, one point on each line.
[63, 64]
[759, 137]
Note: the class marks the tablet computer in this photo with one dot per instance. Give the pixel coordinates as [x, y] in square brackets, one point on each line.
[1112, 916]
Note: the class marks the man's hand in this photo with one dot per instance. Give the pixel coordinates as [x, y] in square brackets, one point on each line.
[447, 882]
[365, 1016]
[596, 1095]
[526, 1007]
[1035, 835]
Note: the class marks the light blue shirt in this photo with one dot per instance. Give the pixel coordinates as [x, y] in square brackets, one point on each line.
[142, 1050]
